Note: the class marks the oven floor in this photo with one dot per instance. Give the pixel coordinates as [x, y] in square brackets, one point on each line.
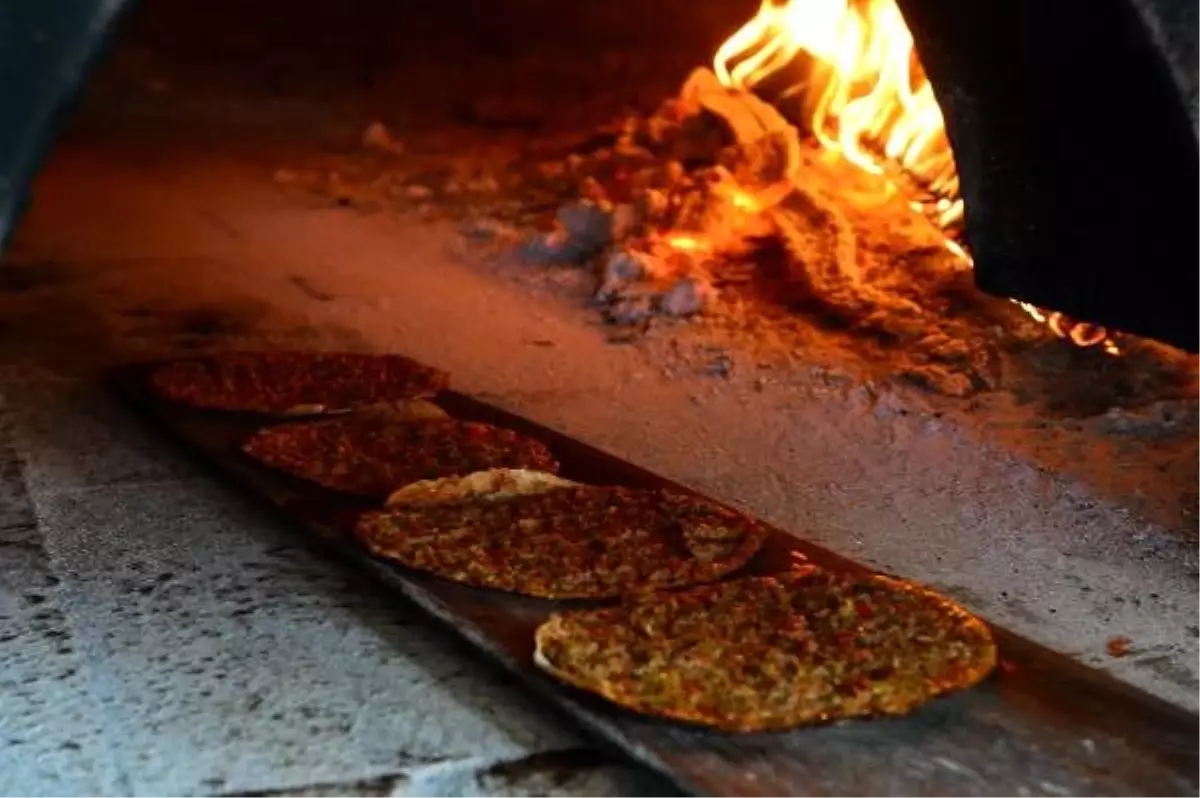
[158, 635]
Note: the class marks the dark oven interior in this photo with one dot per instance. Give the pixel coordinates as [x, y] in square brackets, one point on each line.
[1072, 130]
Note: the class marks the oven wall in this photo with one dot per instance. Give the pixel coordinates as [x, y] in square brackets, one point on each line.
[393, 58]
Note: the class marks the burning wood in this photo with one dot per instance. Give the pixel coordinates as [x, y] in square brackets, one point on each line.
[733, 170]
[808, 171]
[679, 196]
[685, 201]
[867, 97]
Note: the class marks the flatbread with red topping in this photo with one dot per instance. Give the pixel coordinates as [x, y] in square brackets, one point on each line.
[570, 542]
[769, 653]
[376, 452]
[294, 383]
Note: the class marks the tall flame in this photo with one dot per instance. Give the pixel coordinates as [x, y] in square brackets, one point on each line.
[869, 99]
[866, 97]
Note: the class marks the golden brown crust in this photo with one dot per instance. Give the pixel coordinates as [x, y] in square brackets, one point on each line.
[375, 452]
[572, 542]
[494, 484]
[769, 653]
[283, 383]
[405, 410]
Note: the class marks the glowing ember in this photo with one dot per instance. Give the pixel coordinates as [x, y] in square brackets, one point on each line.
[867, 98]
[686, 243]
[1079, 334]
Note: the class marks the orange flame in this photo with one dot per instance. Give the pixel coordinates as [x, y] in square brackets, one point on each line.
[872, 100]
[686, 243]
[867, 98]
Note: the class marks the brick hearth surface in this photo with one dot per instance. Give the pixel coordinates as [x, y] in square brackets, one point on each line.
[161, 635]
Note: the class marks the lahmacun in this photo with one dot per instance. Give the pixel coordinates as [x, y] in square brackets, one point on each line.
[768, 653]
[584, 541]
[374, 453]
[282, 383]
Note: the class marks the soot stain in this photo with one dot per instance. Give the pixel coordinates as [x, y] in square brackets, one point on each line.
[1167, 667]
[211, 322]
[310, 290]
[19, 278]
[558, 766]
[380, 785]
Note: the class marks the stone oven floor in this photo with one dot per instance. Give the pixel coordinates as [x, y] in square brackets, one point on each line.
[160, 635]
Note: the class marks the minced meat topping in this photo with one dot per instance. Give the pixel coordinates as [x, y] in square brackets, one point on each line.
[373, 454]
[572, 542]
[280, 382]
[772, 652]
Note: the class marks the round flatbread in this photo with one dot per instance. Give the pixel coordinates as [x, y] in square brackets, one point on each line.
[769, 653]
[495, 484]
[571, 542]
[374, 453]
[283, 383]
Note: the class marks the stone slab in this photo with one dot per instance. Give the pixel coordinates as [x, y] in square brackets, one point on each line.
[228, 657]
[71, 434]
